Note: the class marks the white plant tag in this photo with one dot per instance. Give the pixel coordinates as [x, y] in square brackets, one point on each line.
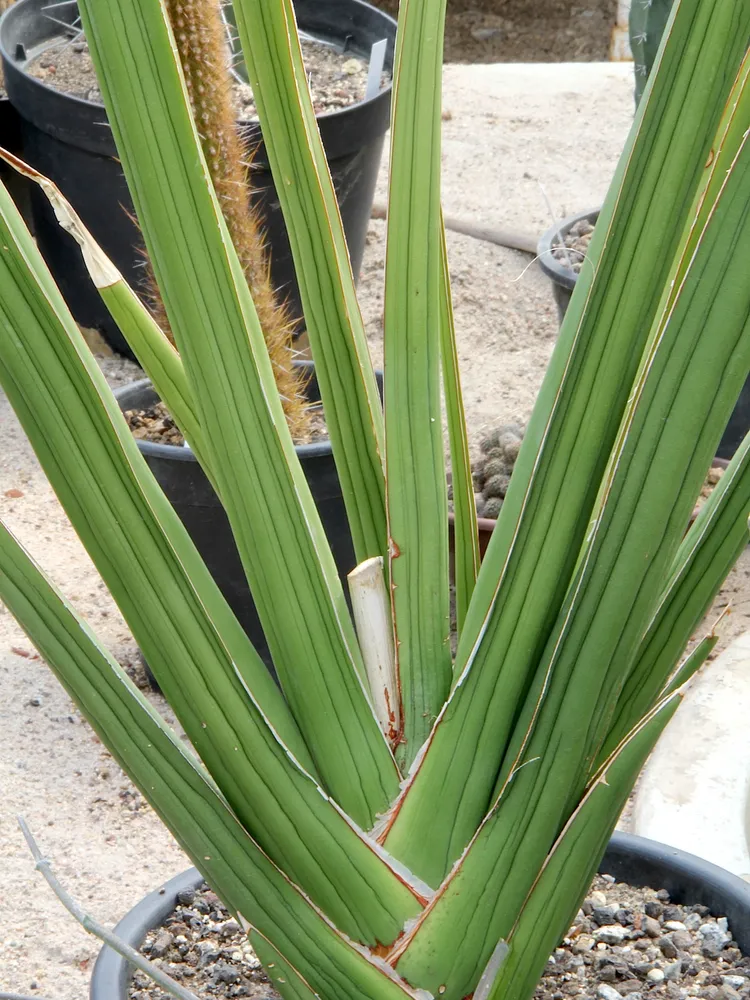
[375, 69]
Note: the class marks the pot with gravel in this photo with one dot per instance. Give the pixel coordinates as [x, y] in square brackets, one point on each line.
[562, 253]
[65, 135]
[186, 486]
[657, 923]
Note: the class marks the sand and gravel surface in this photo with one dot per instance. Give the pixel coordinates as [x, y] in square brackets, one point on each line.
[515, 136]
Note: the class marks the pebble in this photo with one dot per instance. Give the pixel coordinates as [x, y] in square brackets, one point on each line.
[651, 926]
[675, 925]
[736, 982]
[667, 946]
[224, 973]
[209, 952]
[683, 940]
[605, 992]
[673, 971]
[186, 897]
[604, 915]
[162, 943]
[714, 939]
[583, 943]
[611, 934]
[655, 976]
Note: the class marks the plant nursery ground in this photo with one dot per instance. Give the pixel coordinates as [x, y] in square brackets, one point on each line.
[522, 143]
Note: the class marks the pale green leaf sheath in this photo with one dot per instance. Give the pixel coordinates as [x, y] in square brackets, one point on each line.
[415, 463]
[332, 316]
[216, 683]
[279, 536]
[534, 548]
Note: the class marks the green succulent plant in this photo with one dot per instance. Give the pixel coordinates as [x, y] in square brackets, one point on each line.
[646, 23]
[394, 821]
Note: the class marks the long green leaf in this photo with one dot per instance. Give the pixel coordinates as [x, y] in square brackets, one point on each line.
[414, 457]
[545, 516]
[286, 556]
[697, 361]
[566, 876]
[215, 681]
[691, 664]
[155, 354]
[182, 794]
[332, 317]
[709, 551]
[465, 534]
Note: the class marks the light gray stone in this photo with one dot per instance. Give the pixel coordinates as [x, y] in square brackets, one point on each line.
[605, 992]
[611, 934]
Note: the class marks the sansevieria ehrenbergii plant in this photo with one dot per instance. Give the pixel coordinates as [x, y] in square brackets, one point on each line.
[394, 820]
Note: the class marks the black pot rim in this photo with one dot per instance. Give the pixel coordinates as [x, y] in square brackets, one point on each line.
[175, 453]
[338, 117]
[552, 267]
[629, 858]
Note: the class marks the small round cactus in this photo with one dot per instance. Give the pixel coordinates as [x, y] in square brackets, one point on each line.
[497, 486]
[492, 507]
[492, 472]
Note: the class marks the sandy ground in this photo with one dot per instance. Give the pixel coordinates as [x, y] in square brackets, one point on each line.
[513, 130]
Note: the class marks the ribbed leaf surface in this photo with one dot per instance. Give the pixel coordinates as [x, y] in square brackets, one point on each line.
[413, 317]
[566, 876]
[332, 316]
[697, 361]
[286, 556]
[545, 516]
[216, 683]
[182, 794]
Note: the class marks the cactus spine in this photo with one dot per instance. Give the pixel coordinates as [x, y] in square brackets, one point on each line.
[199, 32]
[648, 19]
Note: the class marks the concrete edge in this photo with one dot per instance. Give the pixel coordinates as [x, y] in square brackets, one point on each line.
[694, 793]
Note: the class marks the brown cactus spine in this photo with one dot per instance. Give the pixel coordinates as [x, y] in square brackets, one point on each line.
[201, 40]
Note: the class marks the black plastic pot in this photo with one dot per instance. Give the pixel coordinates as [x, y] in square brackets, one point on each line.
[192, 496]
[564, 281]
[562, 278]
[69, 140]
[10, 139]
[630, 859]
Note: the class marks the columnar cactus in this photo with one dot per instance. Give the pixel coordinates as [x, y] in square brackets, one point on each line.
[201, 40]
[648, 18]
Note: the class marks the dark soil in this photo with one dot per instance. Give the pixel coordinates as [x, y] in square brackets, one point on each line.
[636, 943]
[624, 942]
[156, 424]
[488, 31]
[712, 479]
[337, 79]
